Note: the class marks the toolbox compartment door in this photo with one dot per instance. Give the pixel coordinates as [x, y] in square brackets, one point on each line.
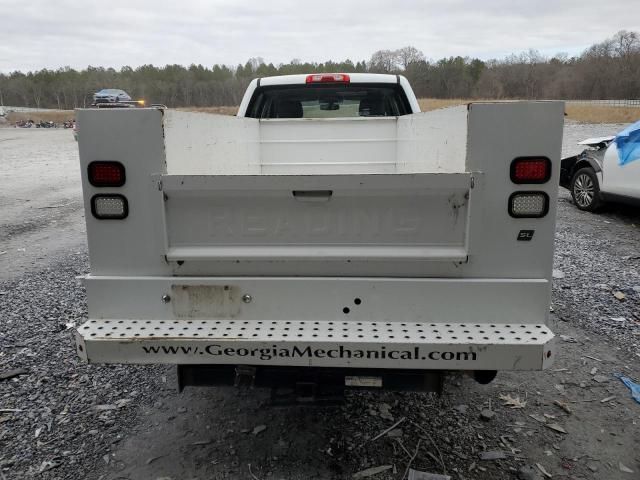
[402, 217]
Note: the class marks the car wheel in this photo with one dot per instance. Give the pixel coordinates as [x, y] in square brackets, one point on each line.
[585, 190]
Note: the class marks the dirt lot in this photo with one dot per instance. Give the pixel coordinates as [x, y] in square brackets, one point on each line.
[62, 419]
[40, 198]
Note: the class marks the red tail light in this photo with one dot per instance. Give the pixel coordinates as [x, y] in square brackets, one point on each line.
[530, 170]
[328, 78]
[106, 174]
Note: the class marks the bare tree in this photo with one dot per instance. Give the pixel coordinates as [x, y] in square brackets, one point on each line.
[408, 55]
[384, 61]
[626, 43]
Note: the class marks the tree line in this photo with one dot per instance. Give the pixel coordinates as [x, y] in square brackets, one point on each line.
[606, 70]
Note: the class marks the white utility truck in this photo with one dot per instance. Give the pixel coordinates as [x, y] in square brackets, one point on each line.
[330, 234]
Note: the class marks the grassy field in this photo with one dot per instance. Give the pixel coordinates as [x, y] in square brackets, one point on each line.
[583, 113]
[57, 116]
[598, 114]
[428, 104]
[227, 110]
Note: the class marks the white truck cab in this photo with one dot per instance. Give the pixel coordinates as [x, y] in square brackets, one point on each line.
[330, 234]
[326, 87]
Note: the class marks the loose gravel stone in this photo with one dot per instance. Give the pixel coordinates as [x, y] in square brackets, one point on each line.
[62, 416]
[487, 415]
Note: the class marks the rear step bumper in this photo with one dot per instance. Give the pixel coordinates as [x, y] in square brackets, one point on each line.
[390, 345]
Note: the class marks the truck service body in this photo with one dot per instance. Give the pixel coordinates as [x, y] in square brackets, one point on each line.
[330, 232]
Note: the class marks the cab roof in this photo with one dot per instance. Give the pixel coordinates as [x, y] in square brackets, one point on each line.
[301, 79]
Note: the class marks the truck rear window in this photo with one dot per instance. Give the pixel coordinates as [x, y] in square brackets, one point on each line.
[328, 101]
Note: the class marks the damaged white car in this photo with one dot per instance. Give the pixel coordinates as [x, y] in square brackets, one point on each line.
[608, 170]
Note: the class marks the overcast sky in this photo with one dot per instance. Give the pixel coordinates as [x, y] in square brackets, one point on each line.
[37, 34]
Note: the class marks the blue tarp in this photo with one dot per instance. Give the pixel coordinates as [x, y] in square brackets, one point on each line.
[628, 143]
[633, 386]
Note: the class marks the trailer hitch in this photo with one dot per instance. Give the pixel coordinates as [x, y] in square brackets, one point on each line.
[245, 376]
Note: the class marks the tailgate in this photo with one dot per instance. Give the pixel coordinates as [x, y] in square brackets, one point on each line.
[330, 218]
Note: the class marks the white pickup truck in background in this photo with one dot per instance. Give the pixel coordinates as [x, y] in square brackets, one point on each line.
[328, 235]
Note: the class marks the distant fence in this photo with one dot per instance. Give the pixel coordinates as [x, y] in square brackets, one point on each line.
[608, 103]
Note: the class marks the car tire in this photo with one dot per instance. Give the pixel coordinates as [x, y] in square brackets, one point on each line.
[585, 190]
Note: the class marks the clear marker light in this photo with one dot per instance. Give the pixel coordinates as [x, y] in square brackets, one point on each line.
[107, 207]
[528, 204]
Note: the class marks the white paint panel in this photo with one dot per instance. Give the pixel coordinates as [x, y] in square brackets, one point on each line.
[207, 144]
[133, 137]
[354, 217]
[328, 146]
[313, 253]
[434, 300]
[592, 142]
[499, 133]
[620, 179]
[435, 141]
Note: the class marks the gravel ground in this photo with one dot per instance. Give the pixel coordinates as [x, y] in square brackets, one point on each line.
[57, 414]
[62, 419]
[598, 257]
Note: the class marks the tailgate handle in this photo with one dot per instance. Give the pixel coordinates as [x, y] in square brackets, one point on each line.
[312, 195]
